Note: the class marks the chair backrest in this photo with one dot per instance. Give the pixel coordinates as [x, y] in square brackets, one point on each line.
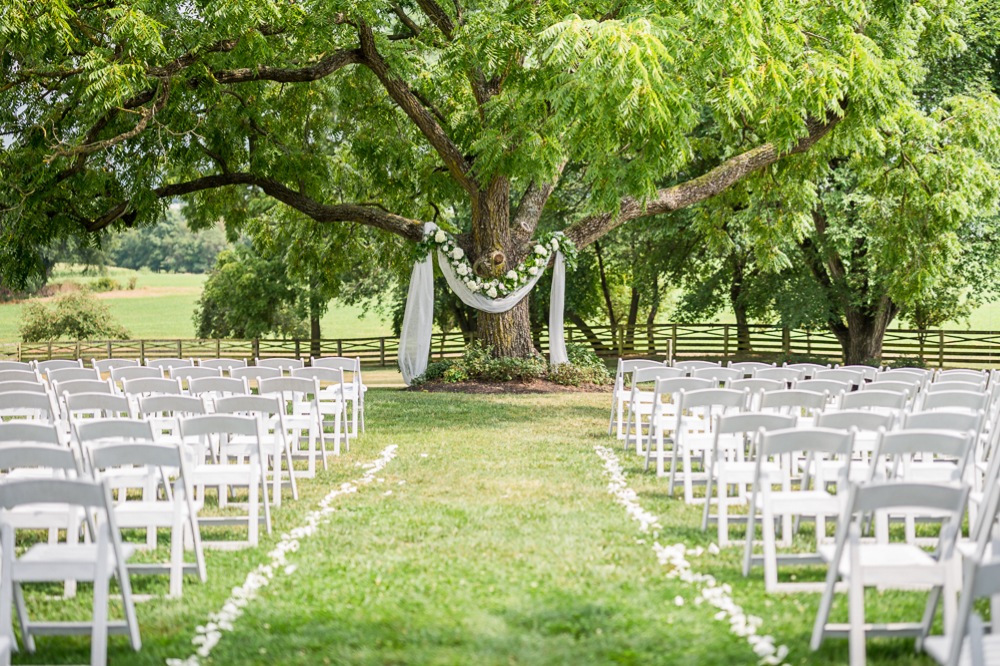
[944, 420]
[157, 405]
[711, 397]
[654, 372]
[82, 386]
[225, 364]
[25, 432]
[816, 440]
[218, 385]
[831, 386]
[152, 386]
[288, 385]
[118, 455]
[691, 366]
[332, 375]
[23, 387]
[15, 365]
[279, 363]
[960, 374]
[350, 364]
[108, 405]
[194, 372]
[748, 367]
[852, 377]
[254, 372]
[24, 403]
[868, 371]
[863, 421]
[980, 580]
[792, 398]
[249, 404]
[781, 374]
[57, 364]
[755, 385]
[942, 387]
[107, 364]
[71, 374]
[212, 424]
[669, 386]
[896, 387]
[955, 400]
[18, 376]
[808, 369]
[909, 443]
[873, 399]
[752, 422]
[166, 363]
[718, 374]
[114, 430]
[899, 376]
[135, 372]
[38, 454]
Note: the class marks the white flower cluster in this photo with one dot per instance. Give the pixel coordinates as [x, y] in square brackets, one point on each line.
[513, 279]
[209, 635]
[675, 557]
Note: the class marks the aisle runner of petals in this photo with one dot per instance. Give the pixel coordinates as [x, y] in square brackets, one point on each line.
[210, 634]
[674, 556]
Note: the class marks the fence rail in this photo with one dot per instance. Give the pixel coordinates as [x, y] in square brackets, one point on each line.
[936, 347]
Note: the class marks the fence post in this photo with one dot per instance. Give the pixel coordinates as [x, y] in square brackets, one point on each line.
[109, 348]
[50, 350]
[256, 348]
[725, 340]
[218, 348]
[19, 352]
[620, 333]
[941, 348]
[78, 349]
[809, 344]
[142, 352]
[673, 342]
[786, 339]
[297, 354]
[180, 353]
[381, 351]
[340, 347]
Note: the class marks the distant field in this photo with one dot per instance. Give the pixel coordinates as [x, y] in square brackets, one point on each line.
[162, 304]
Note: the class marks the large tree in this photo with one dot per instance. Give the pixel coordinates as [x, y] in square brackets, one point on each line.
[388, 114]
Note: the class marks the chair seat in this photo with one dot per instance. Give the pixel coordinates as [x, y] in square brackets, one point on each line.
[140, 513]
[890, 564]
[939, 647]
[805, 502]
[743, 471]
[58, 562]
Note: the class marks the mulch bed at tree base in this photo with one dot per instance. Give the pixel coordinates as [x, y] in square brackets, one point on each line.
[514, 386]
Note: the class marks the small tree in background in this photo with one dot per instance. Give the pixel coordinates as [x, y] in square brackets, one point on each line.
[77, 316]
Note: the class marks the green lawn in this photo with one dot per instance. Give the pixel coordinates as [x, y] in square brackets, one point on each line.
[498, 544]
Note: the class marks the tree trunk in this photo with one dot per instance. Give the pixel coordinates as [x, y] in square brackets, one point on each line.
[861, 339]
[739, 309]
[508, 334]
[633, 317]
[599, 347]
[651, 317]
[314, 332]
[604, 287]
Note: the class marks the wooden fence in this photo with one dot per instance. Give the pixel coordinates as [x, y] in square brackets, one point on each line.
[937, 348]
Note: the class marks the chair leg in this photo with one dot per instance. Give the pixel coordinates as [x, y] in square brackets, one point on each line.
[252, 529]
[856, 601]
[748, 545]
[770, 546]
[99, 626]
[705, 513]
[177, 556]
[22, 618]
[721, 507]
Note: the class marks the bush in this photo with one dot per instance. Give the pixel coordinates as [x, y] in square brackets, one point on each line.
[584, 367]
[478, 363]
[103, 284]
[906, 362]
[131, 283]
[77, 315]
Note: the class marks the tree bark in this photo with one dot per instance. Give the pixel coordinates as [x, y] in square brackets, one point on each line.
[508, 334]
[599, 347]
[651, 317]
[633, 318]
[314, 331]
[604, 287]
[739, 308]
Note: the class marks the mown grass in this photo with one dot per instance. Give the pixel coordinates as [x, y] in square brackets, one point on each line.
[497, 545]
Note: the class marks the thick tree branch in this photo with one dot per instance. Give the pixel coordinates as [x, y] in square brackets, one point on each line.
[453, 159]
[699, 189]
[319, 70]
[529, 209]
[405, 19]
[438, 16]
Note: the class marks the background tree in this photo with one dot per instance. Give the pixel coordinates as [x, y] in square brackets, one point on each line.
[384, 114]
[76, 316]
[169, 245]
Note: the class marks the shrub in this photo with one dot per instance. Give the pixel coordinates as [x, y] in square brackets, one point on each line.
[478, 363]
[131, 283]
[103, 284]
[906, 362]
[77, 316]
[584, 367]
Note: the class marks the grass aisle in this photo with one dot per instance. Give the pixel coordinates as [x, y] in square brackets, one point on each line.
[491, 540]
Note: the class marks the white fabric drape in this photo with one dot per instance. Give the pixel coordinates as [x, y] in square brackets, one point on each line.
[418, 319]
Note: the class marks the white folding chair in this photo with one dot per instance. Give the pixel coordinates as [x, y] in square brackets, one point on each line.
[693, 436]
[254, 374]
[869, 371]
[97, 406]
[175, 511]
[942, 386]
[38, 407]
[718, 374]
[295, 392]
[218, 387]
[787, 375]
[889, 565]
[756, 387]
[354, 390]
[269, 410]
[152, 386]
[830, 386]
[640, 402]
[967, 642]
[189, 372]
[820, 447]
[71, 374]
[162, 412]
[20, 376]
[728, 466]
[867, 425]
[973, 376]
[246, 449]
[25, 387]
[749, 367]
[15, 365]
[885, 402]
[852, 377]
[331, 401]
[95, 562]
[903, 376]
[689, 366]
[804, 405]
[954, 400]
[808, 369]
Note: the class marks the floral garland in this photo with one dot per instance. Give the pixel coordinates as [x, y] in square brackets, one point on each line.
[545, 245]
